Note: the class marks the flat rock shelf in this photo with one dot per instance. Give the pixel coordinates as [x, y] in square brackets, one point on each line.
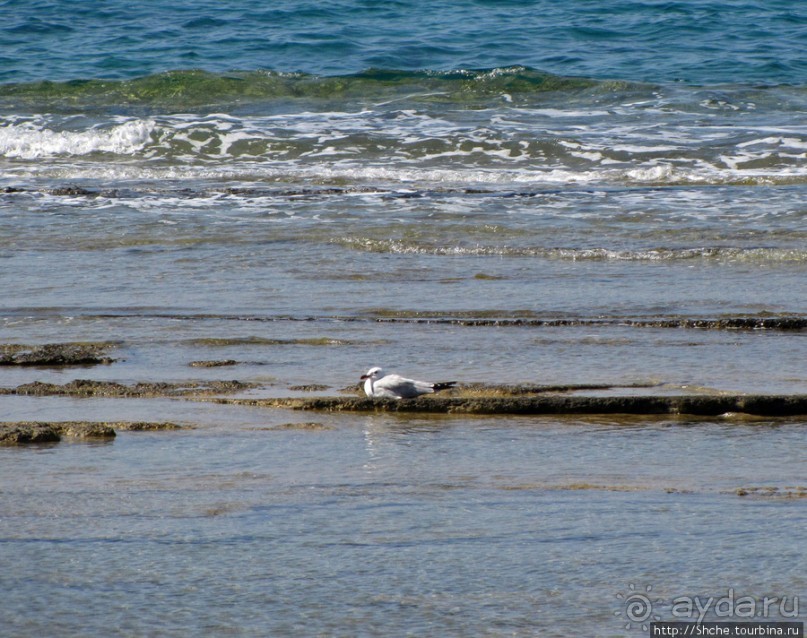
[696, 405]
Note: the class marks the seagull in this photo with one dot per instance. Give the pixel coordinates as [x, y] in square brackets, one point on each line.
[379, 385]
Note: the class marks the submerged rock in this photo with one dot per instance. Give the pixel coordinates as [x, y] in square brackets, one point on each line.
[308, 426]
[795, 492]
[213, 364]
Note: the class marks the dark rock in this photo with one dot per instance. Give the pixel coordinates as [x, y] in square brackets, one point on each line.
[79, 387]
[213, 364]
[71, 190]
[89, 388]
[48, 432]
[796, 492]
[146, 426]
[21, 433]
[695, 405]
[309, 426]
[54, 354]
[84, 429]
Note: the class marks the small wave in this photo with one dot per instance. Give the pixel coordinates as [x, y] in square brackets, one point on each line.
[713, 253]
[32, 140]
[183, 89]
[364, 129]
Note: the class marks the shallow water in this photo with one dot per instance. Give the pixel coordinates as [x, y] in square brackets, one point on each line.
[509, 192]
[395, 525]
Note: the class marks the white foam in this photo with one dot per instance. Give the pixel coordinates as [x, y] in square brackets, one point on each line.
[778, 142]
[32, 141]
[710, 253]
[410, 146]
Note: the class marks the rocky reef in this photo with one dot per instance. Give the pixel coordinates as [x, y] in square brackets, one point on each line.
[90, 388]
[21, 432]
[55, 354]
[551, 403]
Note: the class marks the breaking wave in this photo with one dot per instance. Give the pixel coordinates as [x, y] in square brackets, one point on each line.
[512, 125]
[32, 140]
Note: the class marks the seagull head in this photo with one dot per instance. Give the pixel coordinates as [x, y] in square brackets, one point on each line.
[373, 373]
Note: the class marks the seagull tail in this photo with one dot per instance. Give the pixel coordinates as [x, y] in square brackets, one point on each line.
[445, 385]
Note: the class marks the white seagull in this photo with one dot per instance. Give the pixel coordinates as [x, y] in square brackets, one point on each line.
[379, 385]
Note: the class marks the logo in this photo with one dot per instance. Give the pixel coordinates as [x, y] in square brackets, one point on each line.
[637, 607]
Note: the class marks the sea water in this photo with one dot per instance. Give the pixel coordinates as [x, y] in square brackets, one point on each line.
[496, 192]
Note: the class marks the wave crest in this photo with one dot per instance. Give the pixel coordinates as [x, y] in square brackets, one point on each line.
[183, 89]
[31, 140]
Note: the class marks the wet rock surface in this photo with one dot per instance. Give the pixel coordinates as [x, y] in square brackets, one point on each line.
[638, 400]
[90, 388]
[548, 404]
[784, 323]
[55, 354]
[22, 432]
[791, 492]
[216, 363]
[147, 426]
[309, 426]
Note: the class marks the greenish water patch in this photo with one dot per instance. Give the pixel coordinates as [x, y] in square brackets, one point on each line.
[184, 89]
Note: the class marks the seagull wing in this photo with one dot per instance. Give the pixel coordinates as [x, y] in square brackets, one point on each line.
[397, 387]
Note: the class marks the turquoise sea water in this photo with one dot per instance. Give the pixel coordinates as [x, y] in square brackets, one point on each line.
[695, 41]
[499, 192]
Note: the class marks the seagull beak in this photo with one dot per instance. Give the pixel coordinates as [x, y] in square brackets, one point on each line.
[364, 376]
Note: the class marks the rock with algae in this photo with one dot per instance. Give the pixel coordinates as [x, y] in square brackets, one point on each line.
[90, 388]
[558, 404]
[54, 354]
[22, 432]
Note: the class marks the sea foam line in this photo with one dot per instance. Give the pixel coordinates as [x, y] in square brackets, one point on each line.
[717, 253]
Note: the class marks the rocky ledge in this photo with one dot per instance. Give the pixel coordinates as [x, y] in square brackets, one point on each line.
[527, 404]
[90, 388]
[21, 432]
[54, 354]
